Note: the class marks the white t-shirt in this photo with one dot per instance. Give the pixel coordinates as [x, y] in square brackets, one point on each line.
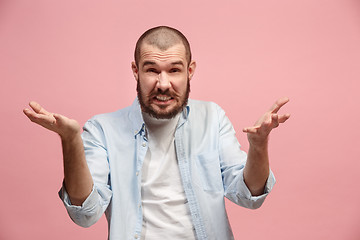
[166, 213]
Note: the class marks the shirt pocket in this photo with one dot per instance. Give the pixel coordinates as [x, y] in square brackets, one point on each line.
[208, 170]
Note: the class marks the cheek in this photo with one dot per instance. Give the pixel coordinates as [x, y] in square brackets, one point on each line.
[147, 85]
[179, 86]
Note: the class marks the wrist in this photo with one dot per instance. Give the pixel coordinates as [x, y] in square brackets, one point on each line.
[70, 136]
[259, 144]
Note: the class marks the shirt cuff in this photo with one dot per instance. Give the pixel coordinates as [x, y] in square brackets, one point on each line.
[242, 196]
[78, 213]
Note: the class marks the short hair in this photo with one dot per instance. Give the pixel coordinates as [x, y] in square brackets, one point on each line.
[163, 37]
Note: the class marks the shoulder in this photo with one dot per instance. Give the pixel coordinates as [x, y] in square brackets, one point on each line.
[119, 114]
[117, 118]
[207, 112]
[203, 107]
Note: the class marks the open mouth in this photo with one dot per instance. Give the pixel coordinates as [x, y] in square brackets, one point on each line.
[163, 98]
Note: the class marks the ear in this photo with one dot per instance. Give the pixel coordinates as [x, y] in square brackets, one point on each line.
[191, 69]
[135, 70]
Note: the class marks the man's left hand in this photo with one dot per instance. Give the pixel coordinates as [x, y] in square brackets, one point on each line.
[258, 134]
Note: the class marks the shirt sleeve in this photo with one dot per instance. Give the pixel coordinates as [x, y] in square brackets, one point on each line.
[96, 157]
[232, 162]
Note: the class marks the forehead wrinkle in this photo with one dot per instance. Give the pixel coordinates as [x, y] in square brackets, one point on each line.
[174, 54]
[160, 56]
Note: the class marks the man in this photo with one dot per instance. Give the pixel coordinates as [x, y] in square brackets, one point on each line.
[160, 168]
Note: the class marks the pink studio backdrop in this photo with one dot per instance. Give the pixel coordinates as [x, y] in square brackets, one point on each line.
[74, 58]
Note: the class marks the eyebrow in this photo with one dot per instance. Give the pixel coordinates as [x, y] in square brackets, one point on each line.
[154, 63]
[178, 63]
[148, 63]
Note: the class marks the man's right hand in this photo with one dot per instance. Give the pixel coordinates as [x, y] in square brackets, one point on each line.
[77, 177]
[67, 128]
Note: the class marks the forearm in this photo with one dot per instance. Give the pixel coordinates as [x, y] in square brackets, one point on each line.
[257, 168]
[77, 177]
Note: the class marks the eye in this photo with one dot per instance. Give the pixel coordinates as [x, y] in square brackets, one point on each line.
[174, 70]
[151, 70]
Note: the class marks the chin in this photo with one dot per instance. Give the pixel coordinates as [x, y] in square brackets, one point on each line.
[163, 113]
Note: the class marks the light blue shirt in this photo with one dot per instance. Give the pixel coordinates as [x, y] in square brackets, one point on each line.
[210, 160]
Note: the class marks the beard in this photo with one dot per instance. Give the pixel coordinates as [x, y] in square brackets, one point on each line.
[147, 108]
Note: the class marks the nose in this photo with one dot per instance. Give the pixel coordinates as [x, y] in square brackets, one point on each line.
[163, 82]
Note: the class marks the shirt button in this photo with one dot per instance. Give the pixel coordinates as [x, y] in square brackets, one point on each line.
[136, 236]
[137, 173]
[144, 144]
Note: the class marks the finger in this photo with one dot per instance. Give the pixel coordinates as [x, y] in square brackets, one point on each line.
[28, 112]
[37, 108]
[39, 118]
[60, 119]
[283, 118]
[274, 120]
[278, 104]
[251, 129]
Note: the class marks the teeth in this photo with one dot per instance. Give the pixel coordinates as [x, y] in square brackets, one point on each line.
[163, 98]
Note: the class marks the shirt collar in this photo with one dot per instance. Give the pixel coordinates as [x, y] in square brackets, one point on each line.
[136, 118]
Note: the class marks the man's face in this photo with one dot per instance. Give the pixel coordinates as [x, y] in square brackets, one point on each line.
[163, 80]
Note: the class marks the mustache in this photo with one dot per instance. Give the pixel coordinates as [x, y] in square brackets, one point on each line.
[167, 92]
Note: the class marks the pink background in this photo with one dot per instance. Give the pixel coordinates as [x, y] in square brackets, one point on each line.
[74, 58]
